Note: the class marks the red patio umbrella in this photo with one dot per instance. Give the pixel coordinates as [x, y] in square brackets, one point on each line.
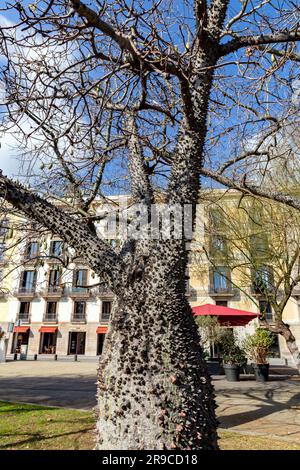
[226, 316]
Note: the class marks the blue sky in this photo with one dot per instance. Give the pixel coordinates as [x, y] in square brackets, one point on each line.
[8, 150]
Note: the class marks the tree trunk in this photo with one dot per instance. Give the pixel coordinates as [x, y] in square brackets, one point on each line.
[154, 391]
[285, 331]
[291, 345]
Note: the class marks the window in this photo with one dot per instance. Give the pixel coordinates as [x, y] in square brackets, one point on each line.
[56, 248]
[32, 250]
[51, 309]
[28, 281]
[222, 303]
[218, 244]
[106, 310]
[24, 311]
[259, 244]
[265, 310]
[262, 279]
[80, 280]
[79, 310]
[54, 280]
[216, 218]
[220, 279]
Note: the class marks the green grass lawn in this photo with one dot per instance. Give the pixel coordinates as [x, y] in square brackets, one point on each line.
[42, 428]
[237, 441]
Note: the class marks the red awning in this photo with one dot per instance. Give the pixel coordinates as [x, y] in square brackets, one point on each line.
[21, 329]
[102, 329]
[48, 329]
[226, 315]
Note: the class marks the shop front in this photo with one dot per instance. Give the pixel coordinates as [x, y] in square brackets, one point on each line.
[20, 340]
[76, 342]
[48, 340]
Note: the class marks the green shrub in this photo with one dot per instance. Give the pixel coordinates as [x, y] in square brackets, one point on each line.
[233, 353]
[257, 345]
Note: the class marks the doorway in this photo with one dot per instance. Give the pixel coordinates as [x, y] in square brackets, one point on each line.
[20, 342]
[100, 343]
[76, 342]
[48, 343]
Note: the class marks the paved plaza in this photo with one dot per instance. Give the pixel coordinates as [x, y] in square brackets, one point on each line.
[66, 384]
[271, 409]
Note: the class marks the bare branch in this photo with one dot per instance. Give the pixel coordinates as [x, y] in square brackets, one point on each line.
[241, 185]
[140, 184]
[262, 39]
[98, 254]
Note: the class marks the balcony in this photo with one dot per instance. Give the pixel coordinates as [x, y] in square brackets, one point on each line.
[105, 317]
[55, 292]
[261, 291]
[104, 291]
[227, 291]
[24, 317]
[78, 292]
[50, 317]
[56, 258]
[30, 258]
[25, 292]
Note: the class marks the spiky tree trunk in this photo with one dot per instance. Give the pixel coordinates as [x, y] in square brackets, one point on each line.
[153, 388]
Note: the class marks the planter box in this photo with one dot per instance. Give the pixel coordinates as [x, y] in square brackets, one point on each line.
[261, 372]
[214, 367]
[232, 372]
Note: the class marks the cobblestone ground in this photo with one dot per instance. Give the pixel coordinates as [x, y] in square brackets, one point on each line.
[271, 409]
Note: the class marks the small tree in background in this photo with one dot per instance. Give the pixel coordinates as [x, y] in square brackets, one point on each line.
[232, 351]
[261, 241]
[210, 332]
[257, 345]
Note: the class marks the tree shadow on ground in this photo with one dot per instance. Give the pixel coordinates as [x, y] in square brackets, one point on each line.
[62, 391]
[264, 406]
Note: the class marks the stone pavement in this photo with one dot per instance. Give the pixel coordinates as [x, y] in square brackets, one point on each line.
[271, 409]
[65, 384]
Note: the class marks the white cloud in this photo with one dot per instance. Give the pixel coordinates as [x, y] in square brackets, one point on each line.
[5, 22]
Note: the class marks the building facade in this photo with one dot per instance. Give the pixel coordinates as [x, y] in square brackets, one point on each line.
[53, 304]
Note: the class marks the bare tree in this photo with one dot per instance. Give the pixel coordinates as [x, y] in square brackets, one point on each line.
[260, 244]
[161, 93]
